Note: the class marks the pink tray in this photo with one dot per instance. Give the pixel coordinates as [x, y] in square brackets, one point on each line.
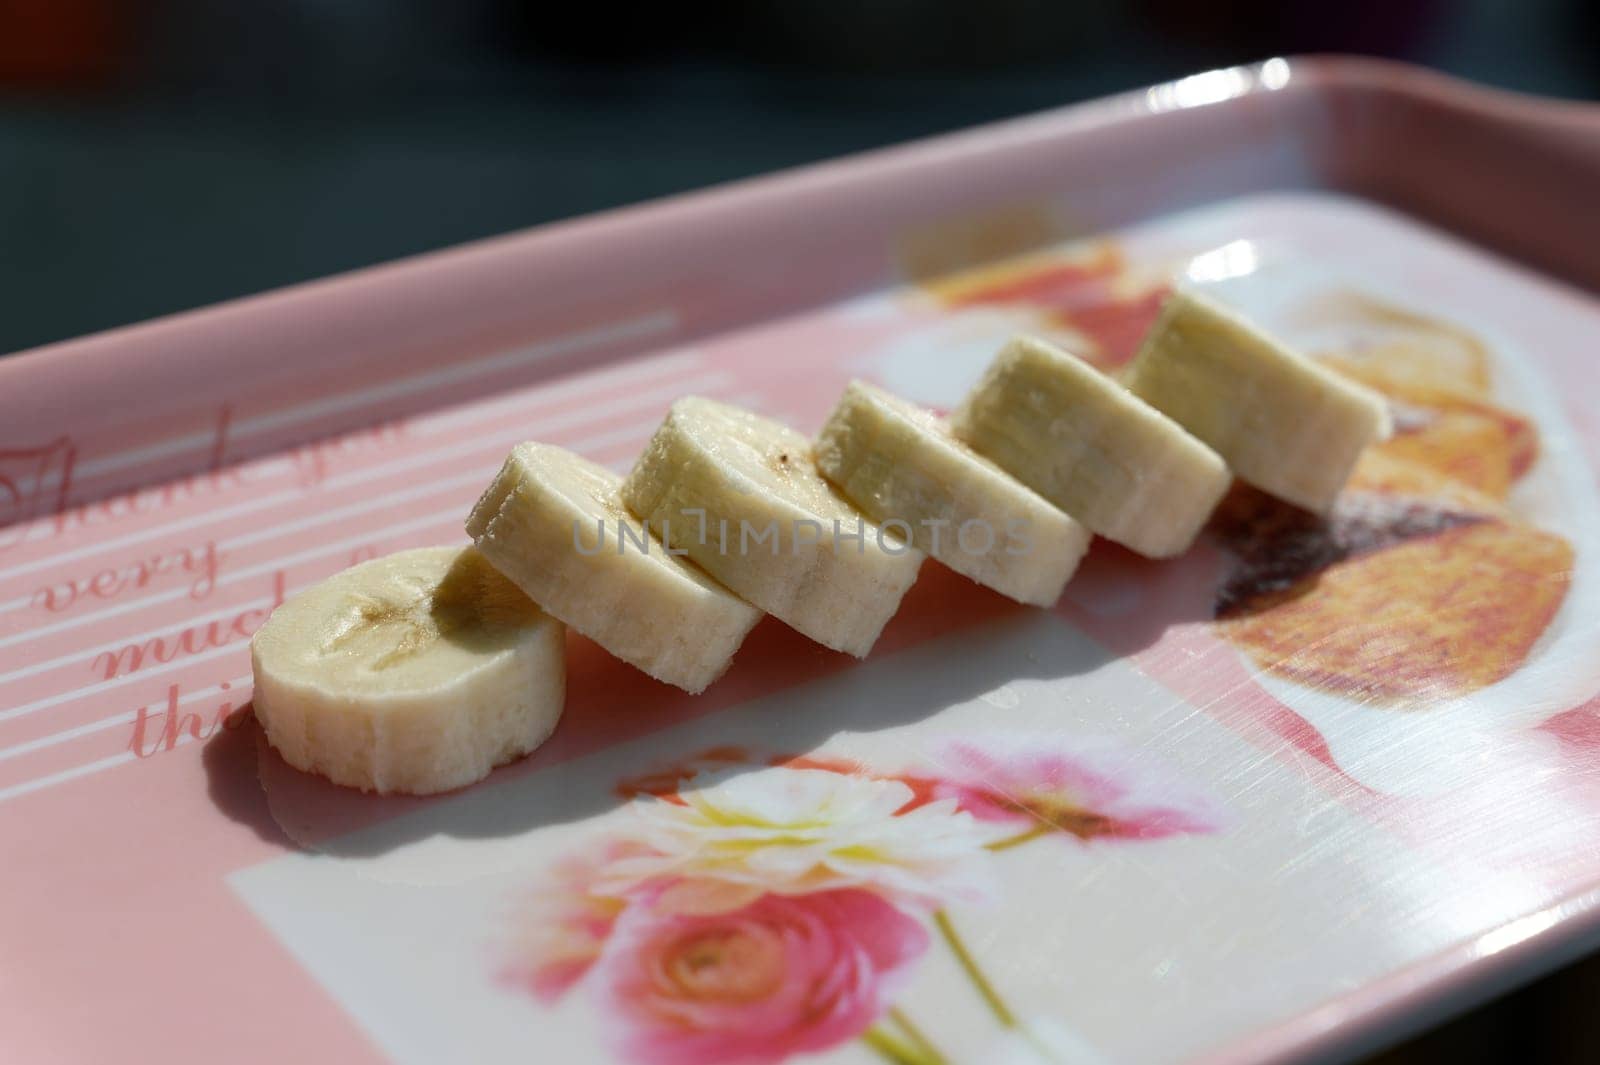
[1265, 855]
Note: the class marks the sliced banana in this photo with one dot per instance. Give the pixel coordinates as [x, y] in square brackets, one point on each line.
[1078, 438]
[1288, 426]
[553, 523]
[900, 464]
[415, 673]
[742, 496]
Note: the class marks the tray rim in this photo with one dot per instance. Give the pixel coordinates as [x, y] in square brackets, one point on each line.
[1322, 77]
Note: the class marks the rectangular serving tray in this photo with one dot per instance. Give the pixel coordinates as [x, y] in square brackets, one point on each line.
[1243, 856]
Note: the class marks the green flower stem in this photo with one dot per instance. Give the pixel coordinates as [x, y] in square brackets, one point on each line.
[997, 1005]
[1022, 837]
[930, 1052]
[892, 1048]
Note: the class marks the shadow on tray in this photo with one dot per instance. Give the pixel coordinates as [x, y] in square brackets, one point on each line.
[611, 705]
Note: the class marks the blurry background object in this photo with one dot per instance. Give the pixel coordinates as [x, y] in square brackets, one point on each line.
[57, 43]
[157, 155]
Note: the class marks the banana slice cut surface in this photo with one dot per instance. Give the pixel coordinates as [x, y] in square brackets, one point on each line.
[554, 524]
[1290, 427]
[741, 494]
[902, 467]
[1123, 469]
[418, 672]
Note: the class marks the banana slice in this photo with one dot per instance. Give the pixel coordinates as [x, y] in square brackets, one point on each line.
[553, 523]
[415, 673]
[900, 465]
[1078, 438]
[742, 496]
[1284, 424]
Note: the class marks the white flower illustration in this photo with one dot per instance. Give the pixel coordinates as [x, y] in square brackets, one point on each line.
[791, 831]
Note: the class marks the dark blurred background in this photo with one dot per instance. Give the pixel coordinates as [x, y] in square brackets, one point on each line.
[165, 154]
[161, 155]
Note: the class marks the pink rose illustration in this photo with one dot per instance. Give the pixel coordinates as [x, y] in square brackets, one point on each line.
[562, 927]
[1090, 789]
[757, 906]
[782, 975]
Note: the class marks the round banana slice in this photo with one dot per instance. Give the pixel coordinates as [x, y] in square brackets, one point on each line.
[1290, 427]
[899, 463]
[414, 673]
[553, 523]
[1081, 440]
[742, 496]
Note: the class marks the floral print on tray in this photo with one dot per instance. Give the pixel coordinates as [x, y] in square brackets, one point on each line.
[749, 910]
